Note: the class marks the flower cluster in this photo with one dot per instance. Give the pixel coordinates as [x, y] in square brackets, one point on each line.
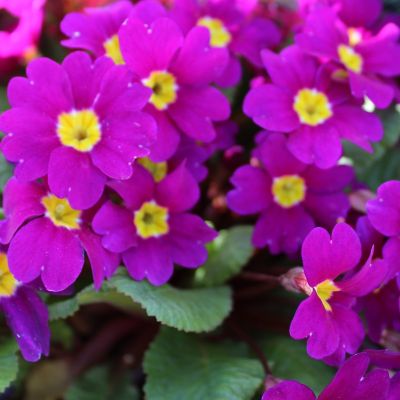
[109, 150]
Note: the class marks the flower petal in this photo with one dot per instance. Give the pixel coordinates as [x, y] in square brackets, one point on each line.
[27, 316]
[42, 249]
[326, 257]
[73, 176]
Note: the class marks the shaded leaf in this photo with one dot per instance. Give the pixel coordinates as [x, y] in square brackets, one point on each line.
[182, 366]
[8, 363]
[66, 308]
[97, 385]
[227, 255]
[288, 359]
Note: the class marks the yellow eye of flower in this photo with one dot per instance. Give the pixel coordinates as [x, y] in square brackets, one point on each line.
[325, 291]
[164, 87]
[157, 169]
[312, 107]
[288, 190]
[60, 212]
[151, 220]
[113, 50]
[79, 129]
[350, 58]
[219, 35]
[8, 284]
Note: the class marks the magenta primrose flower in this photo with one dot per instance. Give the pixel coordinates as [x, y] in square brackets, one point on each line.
[354, 13]
[80, 123]
[20, 27]
[315, 111]
[25, 314]
[380, 307]
[153, 229]
[96, 29]
[326, 318]
[351, 382]
[229, 28]
[367, 60]
[291, 197]
[384, 211]
[33, 212]
[179, 70]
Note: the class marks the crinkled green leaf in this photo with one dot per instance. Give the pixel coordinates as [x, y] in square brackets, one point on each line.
[183, 366]
[66, 308]
[227, 255]
[8, 363]
[288, 359]
[63, 309]
[190, 310]
[97, 385]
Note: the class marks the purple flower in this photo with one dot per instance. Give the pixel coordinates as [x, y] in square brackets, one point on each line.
[314, 110]
[326, 318]
[195, 154]
[79, 122]
[25, 314]
[20, 30]
[48, 238]
[354, 13]
[384, 211]
[381, 307]
[179, 71]
[228, 29]
[96, 29]
[153, 229]
[291, 197]
[367, 60]
[350, 382]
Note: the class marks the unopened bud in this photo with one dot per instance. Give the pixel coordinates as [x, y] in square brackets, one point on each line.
[295, 281]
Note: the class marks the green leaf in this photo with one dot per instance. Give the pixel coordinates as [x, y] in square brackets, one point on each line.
[6, 170]
[288, 359]
[181, 366]
[3, 99]
[63, 309]
[8, 363]
[66, 308]
[227, 255]
[97, 385]
[190, 310]
[384, 163]
[61, 333]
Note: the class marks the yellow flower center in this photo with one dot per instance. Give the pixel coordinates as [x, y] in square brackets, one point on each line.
[60, 212]
[325, 291]
[312, 107]
[151, 220]
[79, 129]
[113, 50]
[157, 169]
[288, 190]
[164, 87]
[8, 284]
[350, 58]
[219, 35]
